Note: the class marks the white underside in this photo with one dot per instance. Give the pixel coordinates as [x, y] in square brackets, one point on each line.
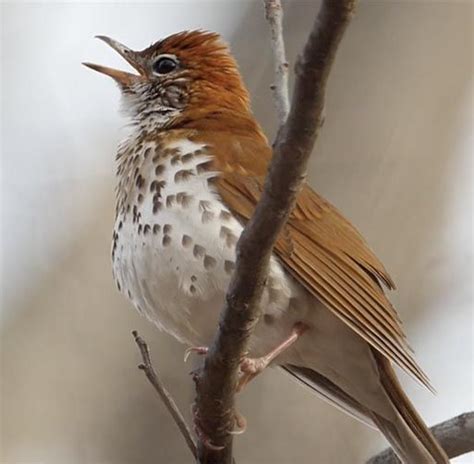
[158, 279]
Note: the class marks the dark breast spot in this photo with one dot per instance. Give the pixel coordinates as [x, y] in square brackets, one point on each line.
[159, 169]
[226, 234]
[204, 205]
[183, 175]
[207, 217]
[203, 167]
[140, 182]
[186, 241]
[199, 251]
[187, 157]
[225, 215]
[229, 266]
[209, 262]
[175, 160]
[156, 206]
[183, 199]
[170, 199]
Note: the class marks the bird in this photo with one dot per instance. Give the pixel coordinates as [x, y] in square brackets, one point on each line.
[189, 174]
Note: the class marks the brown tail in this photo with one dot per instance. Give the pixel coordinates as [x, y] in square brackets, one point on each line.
[401, 435]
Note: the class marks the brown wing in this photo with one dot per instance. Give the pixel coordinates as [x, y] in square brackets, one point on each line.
[322, 250]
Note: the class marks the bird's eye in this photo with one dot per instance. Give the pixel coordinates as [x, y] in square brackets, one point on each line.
[164, 65]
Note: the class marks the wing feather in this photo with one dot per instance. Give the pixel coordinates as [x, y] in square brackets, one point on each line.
[317, 278]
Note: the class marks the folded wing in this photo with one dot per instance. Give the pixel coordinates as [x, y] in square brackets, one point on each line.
[321, 250]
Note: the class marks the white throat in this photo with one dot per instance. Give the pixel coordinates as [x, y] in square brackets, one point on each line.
[150, 107]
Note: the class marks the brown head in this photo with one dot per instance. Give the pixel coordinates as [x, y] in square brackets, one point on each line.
[183, 74]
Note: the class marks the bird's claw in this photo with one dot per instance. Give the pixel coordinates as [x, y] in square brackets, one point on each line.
[249, 369]
[253, 366]
[240, 422]
[205, 440]
[201, 350]
[202, 436]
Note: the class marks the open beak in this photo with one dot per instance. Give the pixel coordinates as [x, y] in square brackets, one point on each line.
[133, 58]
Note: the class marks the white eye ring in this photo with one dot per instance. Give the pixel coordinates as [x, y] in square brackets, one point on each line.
[164, 64]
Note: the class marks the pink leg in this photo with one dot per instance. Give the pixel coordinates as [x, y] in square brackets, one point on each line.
[251, 367]
[202, 350]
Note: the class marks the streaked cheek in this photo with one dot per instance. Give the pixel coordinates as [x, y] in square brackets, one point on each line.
[175, 95]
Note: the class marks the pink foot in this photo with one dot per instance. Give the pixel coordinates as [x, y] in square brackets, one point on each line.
[241, 423]
[251, 367]
[201, 350]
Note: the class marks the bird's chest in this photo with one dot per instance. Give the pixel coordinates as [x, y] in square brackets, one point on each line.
[174, 240]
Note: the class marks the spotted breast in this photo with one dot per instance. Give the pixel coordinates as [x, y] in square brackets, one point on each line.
[174, 240]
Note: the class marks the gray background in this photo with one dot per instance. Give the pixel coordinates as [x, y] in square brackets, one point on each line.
[395, 155]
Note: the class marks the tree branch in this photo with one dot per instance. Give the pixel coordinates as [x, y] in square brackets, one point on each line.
[274, 15]
[165, 396]
[456, 437]
[216, 381]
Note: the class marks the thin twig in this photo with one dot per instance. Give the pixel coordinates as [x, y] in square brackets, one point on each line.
[274, 15]
[456, 437]
[216, 381]
[165, 396]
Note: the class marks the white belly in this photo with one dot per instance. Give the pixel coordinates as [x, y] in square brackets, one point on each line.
[175, 261]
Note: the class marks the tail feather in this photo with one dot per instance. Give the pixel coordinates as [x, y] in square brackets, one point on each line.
[400, 436]
[331, 393]
[406, 432]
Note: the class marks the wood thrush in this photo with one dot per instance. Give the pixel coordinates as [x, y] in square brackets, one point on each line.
[189, 176]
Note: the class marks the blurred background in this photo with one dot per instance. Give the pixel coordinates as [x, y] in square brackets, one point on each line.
[395, 155]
